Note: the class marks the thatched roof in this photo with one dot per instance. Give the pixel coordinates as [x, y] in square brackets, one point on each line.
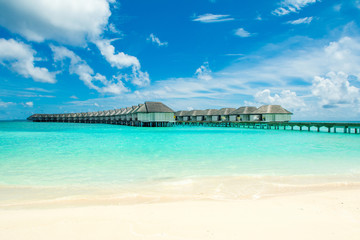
[181, 113]
[133, 109]
[223, 111]
[112, 112]
[197, 112]
[154, 107]
[107, 113]
[122, 111]
[269, 109]
[128, 109]
[243, 110]
[210, 112]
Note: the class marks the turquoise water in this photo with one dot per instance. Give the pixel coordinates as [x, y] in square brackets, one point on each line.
[97, 155]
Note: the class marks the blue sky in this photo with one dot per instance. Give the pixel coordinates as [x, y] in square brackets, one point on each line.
[89, 55]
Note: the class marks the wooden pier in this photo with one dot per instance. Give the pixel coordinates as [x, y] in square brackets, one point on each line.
[300, 126]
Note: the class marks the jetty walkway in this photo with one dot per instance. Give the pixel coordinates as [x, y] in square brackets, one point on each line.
[334, 127]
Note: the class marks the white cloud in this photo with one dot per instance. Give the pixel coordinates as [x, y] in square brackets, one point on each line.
[68, 22]
[337, 7]
[86, 73]
[156, 40]
[258, 17]
[119, 60]
[139, 78]
[242, 33]
[38, 90]
[114, 86]
[334, 89]
[204, 72]
[74, 97]
[211, 18]
[29, 104]
[357, 4]
[286, 98]
[6, 104]
[305, 20]
[20, 58]
[112, 28]
[65, 21]
[290, 6]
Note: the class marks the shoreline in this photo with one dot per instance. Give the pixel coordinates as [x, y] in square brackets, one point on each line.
[333, 214]
[175, 190]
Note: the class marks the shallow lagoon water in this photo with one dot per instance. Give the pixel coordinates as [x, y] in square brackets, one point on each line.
[98, 156]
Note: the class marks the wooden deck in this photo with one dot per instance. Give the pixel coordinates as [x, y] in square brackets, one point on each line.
[300, 126]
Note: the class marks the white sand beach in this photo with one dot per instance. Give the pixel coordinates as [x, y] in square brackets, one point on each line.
[317, 215]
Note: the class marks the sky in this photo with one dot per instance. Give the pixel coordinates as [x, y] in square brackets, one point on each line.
[60, 56]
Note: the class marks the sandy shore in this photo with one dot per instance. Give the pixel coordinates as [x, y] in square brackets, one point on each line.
[318, 215]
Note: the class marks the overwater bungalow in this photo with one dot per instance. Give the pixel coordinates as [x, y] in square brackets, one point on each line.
[155, 114]
[198, 115]
[100, 117]
[86, 117]
[123, 114]
[271, 113]
[107, 116]
[72, 117]
[77, 117]
[118, 115]
[112, 116]
[128, 114]
[134, 114]
[187, 115]
[241, 114]
[179, 115]
[208, 113]
[192, 115]
[222, 114]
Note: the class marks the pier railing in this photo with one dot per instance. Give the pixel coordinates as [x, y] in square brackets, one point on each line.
[301, 126]
[345, 127]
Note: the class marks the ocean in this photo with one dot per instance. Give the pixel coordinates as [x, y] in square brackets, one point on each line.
[69, 163]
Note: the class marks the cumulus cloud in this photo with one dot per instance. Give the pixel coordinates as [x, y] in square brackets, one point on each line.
[68, 22]
[119, 60]
[290, 6]
[29, 104]
[212, 18]
[20, 58]
[204, 72]
[156, 40]
[79, 67]
[305, 20]
[139, 78]
[65, 21]
[335, 89]
[286, 98]
[242, 33]
[6, 104]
